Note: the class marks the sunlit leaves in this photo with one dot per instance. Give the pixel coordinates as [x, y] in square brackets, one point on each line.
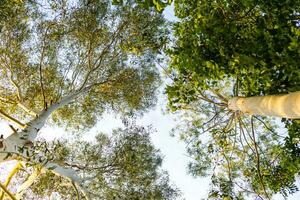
[124, 165]
[65, 46]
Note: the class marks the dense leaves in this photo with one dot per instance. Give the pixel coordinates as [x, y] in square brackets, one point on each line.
[159, 5]
[252, 42]
[236, 48]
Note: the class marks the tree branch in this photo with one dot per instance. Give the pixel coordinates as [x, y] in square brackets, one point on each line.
[69, 174]
[26, 109]
[6, 100]
[11, 196]
[258, 161]
[17, 167]
[12, 119]
[30, 180]
[10, 77]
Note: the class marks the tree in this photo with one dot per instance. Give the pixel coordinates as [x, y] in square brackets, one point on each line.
[226, 49]
[159, 5]
[66, 62]
[124, 165]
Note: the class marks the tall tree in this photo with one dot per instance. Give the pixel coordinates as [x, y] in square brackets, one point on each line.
[226, 49]
[65, 63]
[124, 165]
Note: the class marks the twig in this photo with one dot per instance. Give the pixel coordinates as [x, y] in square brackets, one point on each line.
[258, 160]
[12, 119]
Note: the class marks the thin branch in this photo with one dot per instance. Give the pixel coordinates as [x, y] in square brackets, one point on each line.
[236, 87]
[205, 98]
[215, 115]
[26, 109]
[243, 134]
[17, 167]
[30, 180]
[76, 190]
[258, 161]
[218, 94]
[10, 77]
[12, 119]
[228, 126]
[246, 190]
[40, 68]
[267, 127]
[6, 100]
[251, 137]
[228, 166]
[98, 62]
[11, 196]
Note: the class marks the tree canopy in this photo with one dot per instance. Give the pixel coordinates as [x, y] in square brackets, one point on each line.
[124, 165]
[64, 63]
[236, 48]
[158, 5]
[51, 50]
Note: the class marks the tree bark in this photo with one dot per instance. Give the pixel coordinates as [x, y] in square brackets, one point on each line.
[10, 176]
[284, 106]
[30, 180]
[70, 174]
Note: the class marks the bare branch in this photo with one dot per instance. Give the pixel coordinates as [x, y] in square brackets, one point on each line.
[209, 100]
[218, 94]
[243, 134]
[267, 127]
[258, 160]
[97, 64]
[76, 190]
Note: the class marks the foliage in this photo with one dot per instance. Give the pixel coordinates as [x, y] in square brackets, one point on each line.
[251, 42]
[51, 49]
[70, 61]
[159, 5]
[124, 165]
[229, 48]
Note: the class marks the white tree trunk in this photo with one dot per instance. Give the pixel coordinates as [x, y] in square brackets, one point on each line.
[284, 106]
[17, 145]
[18, 139]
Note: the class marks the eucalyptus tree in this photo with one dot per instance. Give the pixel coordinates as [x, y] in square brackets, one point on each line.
[66, 62]
[124, 165]
[225, 52]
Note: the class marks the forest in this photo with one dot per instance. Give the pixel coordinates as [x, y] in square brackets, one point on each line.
[229, 71]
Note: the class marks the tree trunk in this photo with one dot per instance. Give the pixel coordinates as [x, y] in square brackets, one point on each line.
[284, 106]
[18, 145]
